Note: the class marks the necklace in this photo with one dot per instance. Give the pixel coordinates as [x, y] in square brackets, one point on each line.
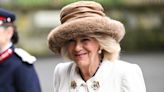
[94, 72]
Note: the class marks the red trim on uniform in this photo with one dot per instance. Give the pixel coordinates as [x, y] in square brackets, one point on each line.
[2, 18]
[4, 55]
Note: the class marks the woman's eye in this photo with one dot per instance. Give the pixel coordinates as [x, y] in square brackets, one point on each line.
[85, 39]
[71, 41]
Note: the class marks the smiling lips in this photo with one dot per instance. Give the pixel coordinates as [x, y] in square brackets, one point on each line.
[79, 55]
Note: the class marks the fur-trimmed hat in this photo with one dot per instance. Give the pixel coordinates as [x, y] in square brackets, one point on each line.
[82, 18]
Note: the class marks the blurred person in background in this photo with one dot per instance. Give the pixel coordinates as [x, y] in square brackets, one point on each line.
[91, 41]
[17, 72]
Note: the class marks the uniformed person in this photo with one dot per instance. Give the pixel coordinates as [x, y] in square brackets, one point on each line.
[17, 73]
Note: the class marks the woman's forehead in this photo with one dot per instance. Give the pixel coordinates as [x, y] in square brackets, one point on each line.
[82, 36]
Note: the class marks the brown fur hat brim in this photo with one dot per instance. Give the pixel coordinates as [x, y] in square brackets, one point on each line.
[83, 26]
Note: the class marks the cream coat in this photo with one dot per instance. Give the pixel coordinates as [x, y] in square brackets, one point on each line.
[118, 76]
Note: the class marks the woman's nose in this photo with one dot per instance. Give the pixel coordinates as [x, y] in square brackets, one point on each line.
[78, 46]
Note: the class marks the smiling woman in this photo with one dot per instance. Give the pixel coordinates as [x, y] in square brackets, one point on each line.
[90, 41]
[83, 50]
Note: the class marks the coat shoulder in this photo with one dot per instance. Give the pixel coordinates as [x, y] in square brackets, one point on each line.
[63, 68]
[24, 55]
[129, 69]
[132, 77]
[123, 65]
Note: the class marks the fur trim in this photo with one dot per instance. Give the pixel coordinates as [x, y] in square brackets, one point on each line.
[83, 26]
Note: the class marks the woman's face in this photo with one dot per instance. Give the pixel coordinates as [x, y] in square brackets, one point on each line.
[4, 36]
[83, 50]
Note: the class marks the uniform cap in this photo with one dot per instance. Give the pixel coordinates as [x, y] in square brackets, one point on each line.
[6, 16]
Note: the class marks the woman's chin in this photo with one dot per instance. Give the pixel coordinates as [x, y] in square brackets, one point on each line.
[82, 63]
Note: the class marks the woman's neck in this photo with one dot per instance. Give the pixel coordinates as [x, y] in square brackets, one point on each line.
[5, 47]
[89, 71]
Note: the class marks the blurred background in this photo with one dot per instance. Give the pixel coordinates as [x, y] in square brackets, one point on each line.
[143, 43]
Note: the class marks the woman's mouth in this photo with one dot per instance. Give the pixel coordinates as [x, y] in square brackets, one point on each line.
[80, 55]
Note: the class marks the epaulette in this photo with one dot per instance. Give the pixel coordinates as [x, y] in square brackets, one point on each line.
[25, 56]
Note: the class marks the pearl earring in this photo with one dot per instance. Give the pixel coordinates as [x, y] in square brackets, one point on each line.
[100, 51]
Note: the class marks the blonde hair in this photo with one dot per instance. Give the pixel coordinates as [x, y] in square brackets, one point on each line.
[64, 52]
[109, 46]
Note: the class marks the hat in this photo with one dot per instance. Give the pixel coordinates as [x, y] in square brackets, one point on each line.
[6, 16]
[82, 18]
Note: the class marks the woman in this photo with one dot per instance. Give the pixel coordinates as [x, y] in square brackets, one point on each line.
[17, 73]
[91, 41]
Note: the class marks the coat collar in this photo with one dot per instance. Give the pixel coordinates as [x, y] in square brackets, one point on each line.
[96, 81]
[5, 55]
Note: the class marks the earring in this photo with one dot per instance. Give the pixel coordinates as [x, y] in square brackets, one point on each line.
[100, 51]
